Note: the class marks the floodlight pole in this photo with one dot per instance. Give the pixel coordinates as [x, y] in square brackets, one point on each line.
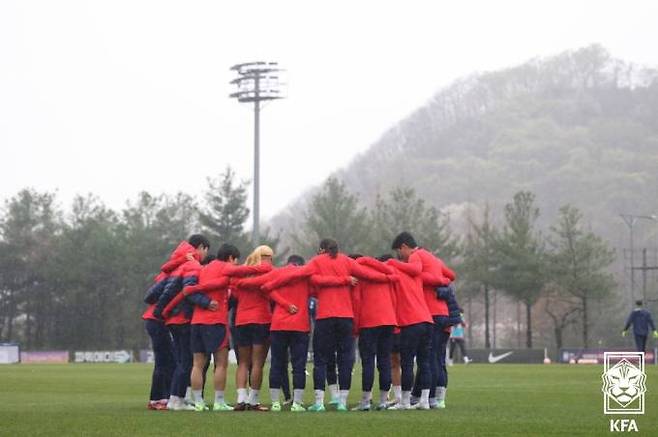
[256, 82]
[256, 229]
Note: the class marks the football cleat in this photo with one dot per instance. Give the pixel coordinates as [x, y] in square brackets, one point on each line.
[316, 408]
[222, 407]
[361, 407]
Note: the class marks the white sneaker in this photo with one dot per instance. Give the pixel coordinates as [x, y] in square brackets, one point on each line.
[467, 360]
[420, 406]
[181, 406]
[399, 406]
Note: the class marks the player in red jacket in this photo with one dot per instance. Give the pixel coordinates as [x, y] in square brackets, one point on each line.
[375, 319]
[178, 323]
[288, 332]
[252, 327]
[434, 273]
[415, 323]
[163, 349]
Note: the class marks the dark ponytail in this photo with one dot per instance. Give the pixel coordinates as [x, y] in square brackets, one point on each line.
[330, 246]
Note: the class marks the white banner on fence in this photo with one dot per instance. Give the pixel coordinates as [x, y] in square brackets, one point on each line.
[9, 353]
[122, 356]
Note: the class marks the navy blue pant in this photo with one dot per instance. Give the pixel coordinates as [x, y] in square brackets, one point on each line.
[163, 352]
[438, 370]
[332, 373]
[333, 336]
[641, 342]
[415, 344]
[442, 377]
[297, 343]
[285, 381]
[376, 342]
[183, 357]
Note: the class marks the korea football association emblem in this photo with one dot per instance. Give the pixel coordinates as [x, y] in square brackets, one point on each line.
[624, 383]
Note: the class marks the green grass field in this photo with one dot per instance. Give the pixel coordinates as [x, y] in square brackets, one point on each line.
[110, 399]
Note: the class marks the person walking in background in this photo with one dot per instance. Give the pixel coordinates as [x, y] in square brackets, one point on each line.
[457, 340]
[641, 320]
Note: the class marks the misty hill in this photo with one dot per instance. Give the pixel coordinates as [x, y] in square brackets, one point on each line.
[580, 127]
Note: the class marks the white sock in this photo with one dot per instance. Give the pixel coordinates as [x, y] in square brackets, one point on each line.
[333, 391]
[432, 401]
[253, 396]
[441, 393]
[219, 397]
[188, 394]
[298, 396]
[274, 394]
[343, 396]
[397, 390]
[242, 395]
[406, 398]
[424, 396]
[383, 397]
[366, 397]
[197, 396]
[319, 397]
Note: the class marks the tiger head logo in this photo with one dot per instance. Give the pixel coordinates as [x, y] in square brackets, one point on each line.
[624, 382]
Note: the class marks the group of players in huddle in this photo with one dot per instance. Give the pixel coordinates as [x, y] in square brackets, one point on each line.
[400, 308]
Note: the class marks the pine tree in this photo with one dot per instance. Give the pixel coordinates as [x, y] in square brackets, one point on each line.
[580, 264]
[522, 260]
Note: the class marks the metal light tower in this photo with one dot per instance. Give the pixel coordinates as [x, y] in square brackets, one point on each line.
[257, 82]
[630, 220]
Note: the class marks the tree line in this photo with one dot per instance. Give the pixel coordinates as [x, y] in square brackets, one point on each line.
[75, 278]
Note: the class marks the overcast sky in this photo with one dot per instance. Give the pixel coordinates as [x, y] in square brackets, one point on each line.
[115, 97]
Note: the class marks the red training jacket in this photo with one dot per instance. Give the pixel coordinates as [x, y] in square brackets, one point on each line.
[177, 257]
[374, 302]
[411, 307]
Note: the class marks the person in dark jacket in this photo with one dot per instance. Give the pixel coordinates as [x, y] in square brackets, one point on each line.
[641, 320]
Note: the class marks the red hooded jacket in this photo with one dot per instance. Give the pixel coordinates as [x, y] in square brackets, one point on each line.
[374, 302]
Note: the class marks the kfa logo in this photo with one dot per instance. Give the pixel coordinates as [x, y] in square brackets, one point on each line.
[624, 386]
[624, 383]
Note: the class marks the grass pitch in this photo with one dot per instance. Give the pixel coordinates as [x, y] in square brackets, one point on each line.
[505, 399]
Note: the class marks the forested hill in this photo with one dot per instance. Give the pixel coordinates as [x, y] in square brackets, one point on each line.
[580, 127]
